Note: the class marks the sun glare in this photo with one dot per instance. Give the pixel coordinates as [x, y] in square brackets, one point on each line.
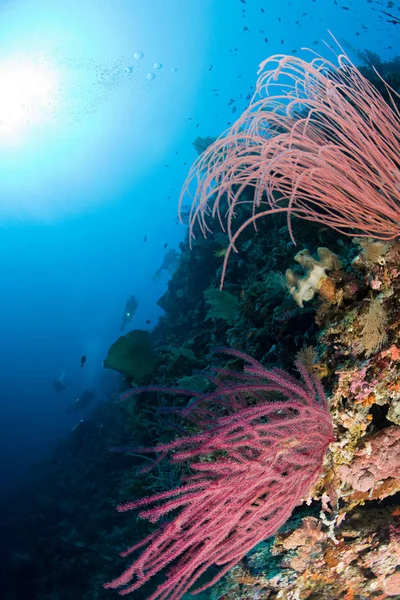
[28, 90]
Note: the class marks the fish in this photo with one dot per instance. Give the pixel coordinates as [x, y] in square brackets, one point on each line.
[83, 360]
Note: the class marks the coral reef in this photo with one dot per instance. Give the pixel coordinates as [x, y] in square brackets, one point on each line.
[343, 541]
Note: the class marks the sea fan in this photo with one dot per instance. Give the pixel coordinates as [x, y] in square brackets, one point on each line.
[259, 450]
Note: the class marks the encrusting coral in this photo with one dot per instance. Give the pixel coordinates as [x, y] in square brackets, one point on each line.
[378, 459]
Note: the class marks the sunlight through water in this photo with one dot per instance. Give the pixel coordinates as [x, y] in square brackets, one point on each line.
[27, 90]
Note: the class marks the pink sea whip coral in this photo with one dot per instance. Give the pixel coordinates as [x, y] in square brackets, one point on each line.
[317, 142]
[259, 450]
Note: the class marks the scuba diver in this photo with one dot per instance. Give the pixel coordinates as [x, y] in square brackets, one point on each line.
[86, 433]
[83, 401]
[60, 384]
[169, 264]
[83, 360]
[130, 309]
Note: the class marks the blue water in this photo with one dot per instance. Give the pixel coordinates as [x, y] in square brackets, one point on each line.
[90, 176]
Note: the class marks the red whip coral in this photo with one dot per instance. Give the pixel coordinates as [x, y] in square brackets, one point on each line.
[317, 141]
[263, 436]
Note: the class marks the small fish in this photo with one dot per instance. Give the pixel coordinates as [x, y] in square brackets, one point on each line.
[83, 360]
[148, 321]
[211, 68]
[396, 19]
[266, 40]
[245, 29]
[145, 238]
[166, 245]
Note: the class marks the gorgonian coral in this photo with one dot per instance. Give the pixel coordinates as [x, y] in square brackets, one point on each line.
[262, 436]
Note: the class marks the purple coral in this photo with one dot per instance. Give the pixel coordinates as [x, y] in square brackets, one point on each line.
[263, 436]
